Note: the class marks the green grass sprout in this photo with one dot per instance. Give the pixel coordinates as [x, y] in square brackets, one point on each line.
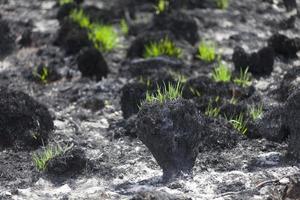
[222, 4]
[239, 123]
[164, 47]
[104, 37]
[244, 79]
[80, 18]
[212, 111]
[161, 6]
[169, 92]
[124, 27]
[42, 76]
[221, 73]
[40, 160]
[207, 51]
[256, 112]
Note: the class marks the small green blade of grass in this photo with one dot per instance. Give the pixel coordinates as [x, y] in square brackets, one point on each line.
[221, 73]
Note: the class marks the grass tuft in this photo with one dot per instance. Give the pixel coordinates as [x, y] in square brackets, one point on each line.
[104, 37]
[161, 6]
[169, 92]
[221, 73]
[222, 4]
[43, 76]
[239, 123]
[40, 160]
[164, 47]
[244, 79]
[212, 111]
[80, 18]
[207, 51]
[256, 112]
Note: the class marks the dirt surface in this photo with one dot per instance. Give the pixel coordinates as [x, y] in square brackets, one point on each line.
[87, 112]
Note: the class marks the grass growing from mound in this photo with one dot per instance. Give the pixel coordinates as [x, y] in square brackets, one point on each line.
[212, 111]
[164, 47]
[239, 123]
[222, 4]
[221, 73]
[169, 92]
[79, 17]
[63, 2]
[161, 6]
[40, 160]
[244, 79]
[124, 27]
[207, 51]
[43, 76]
[256, 112]
[104, 37]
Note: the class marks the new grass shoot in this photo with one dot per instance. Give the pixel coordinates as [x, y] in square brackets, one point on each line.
[169, 92]
[161, 6]
[221, 73]
[207, 51]
[222, 4]
[79, 17]
[41, 159]
[244, 79]
[256, 111]
[104, 37]
[165, 47]
[124, 26]
[239, 123]
[42, 76]
[212, 111]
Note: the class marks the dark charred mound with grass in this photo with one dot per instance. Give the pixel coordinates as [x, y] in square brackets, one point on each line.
[172, 131]
[289, 84]
[92, 64]
[73, 162]
[175, 131]
[260, 63]
[137, 48]
[24, 123]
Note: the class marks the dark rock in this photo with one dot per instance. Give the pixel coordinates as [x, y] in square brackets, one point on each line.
[259, 63]
[292, 118]
[270, 126]
[144, 67]
[71, 37]
[132, 96]
[92, 64]
[137, 48]
[172, 131]
[289, 84]
[6, 39]
[71, 162]
[24, 123]
[156, 195]
[285, 46]
[290, 4]
[106, 16]
[183, 26]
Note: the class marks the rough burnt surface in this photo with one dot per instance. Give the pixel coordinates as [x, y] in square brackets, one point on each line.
[172, 132]
[25, 123]
[6, 39]
[284, 45]
[292, 117]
